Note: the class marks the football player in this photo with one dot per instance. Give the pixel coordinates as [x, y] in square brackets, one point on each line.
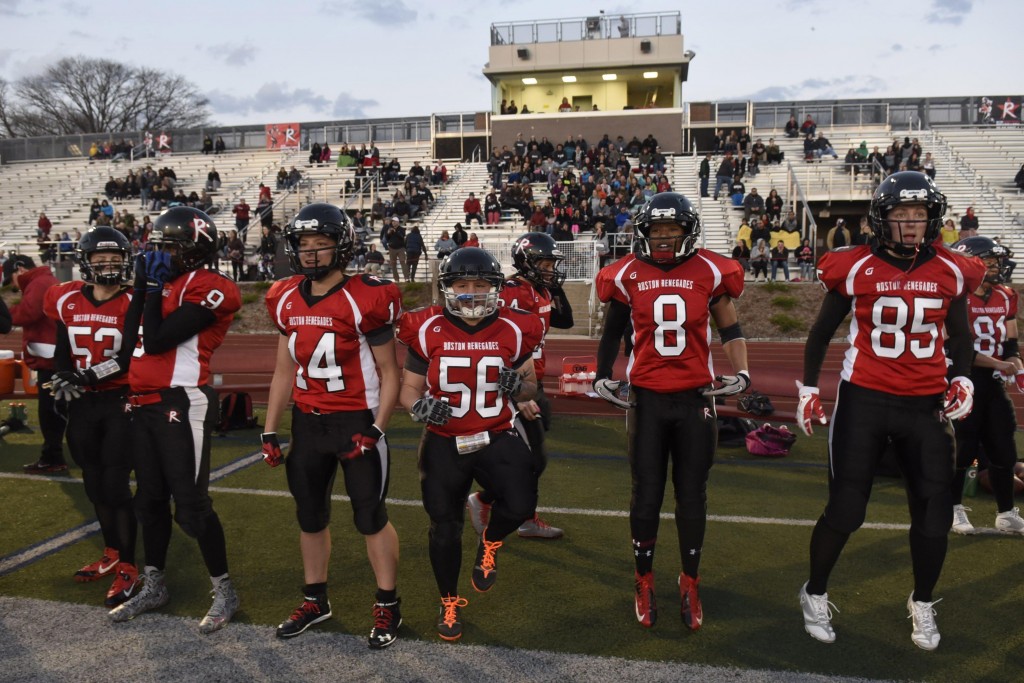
[337, 333]
[469, 362]
[537, 288]
[905, 295]
[992, 311]
[96, 334]
[187, 311]
[671, 289]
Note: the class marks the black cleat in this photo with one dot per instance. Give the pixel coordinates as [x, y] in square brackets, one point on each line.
[387, 617]
[313, 610]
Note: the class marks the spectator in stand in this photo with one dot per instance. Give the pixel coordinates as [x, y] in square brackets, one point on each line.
[265, 210]
[294, 178]
[395, 238]
[705, 174]
[772, 152]
[444, 245]
[421, 199]
[212, 180]
[928, 165]
[968, 224]
[44, 226]
[914, 162]
[838, 236]
[377, 211]
[314, 153]
[413, 250]
[564, 106]
[219, 147]
[241, 212]
[724, 175]
[512, 108]
[282, 179]
[805, 259]
[400, 206]
[325, 154]
[808, 127]
[822, 147]
[439, 176]
[471, 207]
[741, 253]
[106, 213]
[753, 205]
[790, 223]
[759, 151]
[810, 149]
[760, 230]
[538, 220]
[207, 144]
[851, 162]
[601, 246]
[473, 241]
[738, 190]
[562, 232]
[492, 209]
[374, 260]
[236, 255]
[780, 259]
[773, 205]
[792, 127]
[949, 232]
[622, 217]
[459, 235]
[264, 193]
[760, 255]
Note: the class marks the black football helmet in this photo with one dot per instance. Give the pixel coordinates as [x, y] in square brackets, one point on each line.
[670, 207]
[470, 263]
[533, 247]
[906, 187]
[319, 219]
[986, 248]
[106, 240]
[190, 230]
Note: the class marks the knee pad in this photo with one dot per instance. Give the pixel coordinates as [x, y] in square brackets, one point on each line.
[933, 516]
[370, 521]
[692, 507]
[846, 510]
[311, 519]
[446, 533]
[193, 520]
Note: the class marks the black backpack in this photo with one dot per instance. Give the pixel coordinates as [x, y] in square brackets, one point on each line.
[756, 403]
[236, 412]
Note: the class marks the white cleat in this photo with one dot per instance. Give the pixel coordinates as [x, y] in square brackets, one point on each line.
[926, 631]
[962, 525]
[152, 595]
[1010, 522]
[225, 604]
[817, 615]
[479, 512]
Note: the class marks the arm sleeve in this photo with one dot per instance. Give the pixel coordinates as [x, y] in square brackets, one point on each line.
[415, 363]
[561, 309]
[961, 342]
[160, 335]
[5, 318]
[614, 325]
[834, 309]
[62, 355]
[381, 335]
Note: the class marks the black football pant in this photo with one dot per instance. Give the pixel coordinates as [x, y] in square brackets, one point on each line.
[532, 431]
[990, 427]
[99, 438]
[504, 467]
[171, 440]
[52, 422]
[680, 428]
[864, 423]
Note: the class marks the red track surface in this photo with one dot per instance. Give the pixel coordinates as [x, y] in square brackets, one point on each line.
[246, 362]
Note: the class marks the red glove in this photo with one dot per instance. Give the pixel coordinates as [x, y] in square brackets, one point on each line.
[959, 399]
[364, 443]
[1019, 379]
[809, 408]
[271, 449]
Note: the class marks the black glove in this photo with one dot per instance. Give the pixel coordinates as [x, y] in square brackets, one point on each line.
[431, 410]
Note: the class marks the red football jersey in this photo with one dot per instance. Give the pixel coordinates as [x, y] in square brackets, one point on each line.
[897, 327]
[188, 364]
[334, 365]
[989, 317]
[464, 361]
[526, 297]
[671, 320]
[94, 327]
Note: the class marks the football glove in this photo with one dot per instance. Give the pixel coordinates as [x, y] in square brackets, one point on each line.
[615, 392]
[159, 270]
[959, 399]
[271, 449]
[809, 408]
[731, 384]
[66, 386]
[431, 410]
[140, 273]
[509, 381]
[364, 443]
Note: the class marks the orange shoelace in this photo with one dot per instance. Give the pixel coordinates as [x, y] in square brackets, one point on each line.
[487, 561]
[450, 608]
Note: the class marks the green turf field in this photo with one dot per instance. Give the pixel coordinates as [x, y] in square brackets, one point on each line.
[575, 595]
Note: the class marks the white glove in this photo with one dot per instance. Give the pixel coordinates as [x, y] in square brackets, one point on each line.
[731, 384]
[809, 408]
[63, 390]
[613, 391]
[959, 399]
[431, 410]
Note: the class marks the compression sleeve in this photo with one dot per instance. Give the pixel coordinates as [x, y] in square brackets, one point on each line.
[614, 325]
[834, 308]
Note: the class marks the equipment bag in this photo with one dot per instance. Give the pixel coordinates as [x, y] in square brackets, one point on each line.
[770, 442]
[236, 412]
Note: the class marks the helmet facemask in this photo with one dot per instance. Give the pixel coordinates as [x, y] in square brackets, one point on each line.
[465, 298]
[340, 256]
[666, 249]
[107, 272]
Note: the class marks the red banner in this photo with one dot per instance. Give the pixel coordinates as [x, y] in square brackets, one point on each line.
[282, 135]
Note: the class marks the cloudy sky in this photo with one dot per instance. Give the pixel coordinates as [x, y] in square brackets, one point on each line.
[261, 61]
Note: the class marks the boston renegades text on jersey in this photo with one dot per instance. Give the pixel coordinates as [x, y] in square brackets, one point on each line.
[988, 319]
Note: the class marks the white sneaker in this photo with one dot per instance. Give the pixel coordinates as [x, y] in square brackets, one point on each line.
[962, 525]
[1010, 522]
[926, 631]
[225, 604]
[538, 528]
[817, 615]
[479, 512]
[152, 595]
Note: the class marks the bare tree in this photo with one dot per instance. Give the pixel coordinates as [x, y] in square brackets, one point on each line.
[85, 95]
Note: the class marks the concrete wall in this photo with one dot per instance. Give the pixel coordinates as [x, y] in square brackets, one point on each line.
[586, 54]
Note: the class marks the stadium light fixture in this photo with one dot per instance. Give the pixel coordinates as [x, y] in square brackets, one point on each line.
[650, 74]
[568, 79]
[529, 81]
[609, 77]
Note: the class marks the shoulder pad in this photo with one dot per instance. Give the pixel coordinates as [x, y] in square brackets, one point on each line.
[373, 280]
[848, 247]
[513, 282]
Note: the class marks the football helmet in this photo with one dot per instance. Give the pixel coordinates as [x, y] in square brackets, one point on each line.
[107, 240]
[191, 231]
[987, 248]
[670, 207]
[319, 219]
[906, 187]
[470, 263]
[533, 247]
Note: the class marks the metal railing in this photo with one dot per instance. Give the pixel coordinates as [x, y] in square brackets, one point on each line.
[596, 27]
[798, 201]
[775, 116]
